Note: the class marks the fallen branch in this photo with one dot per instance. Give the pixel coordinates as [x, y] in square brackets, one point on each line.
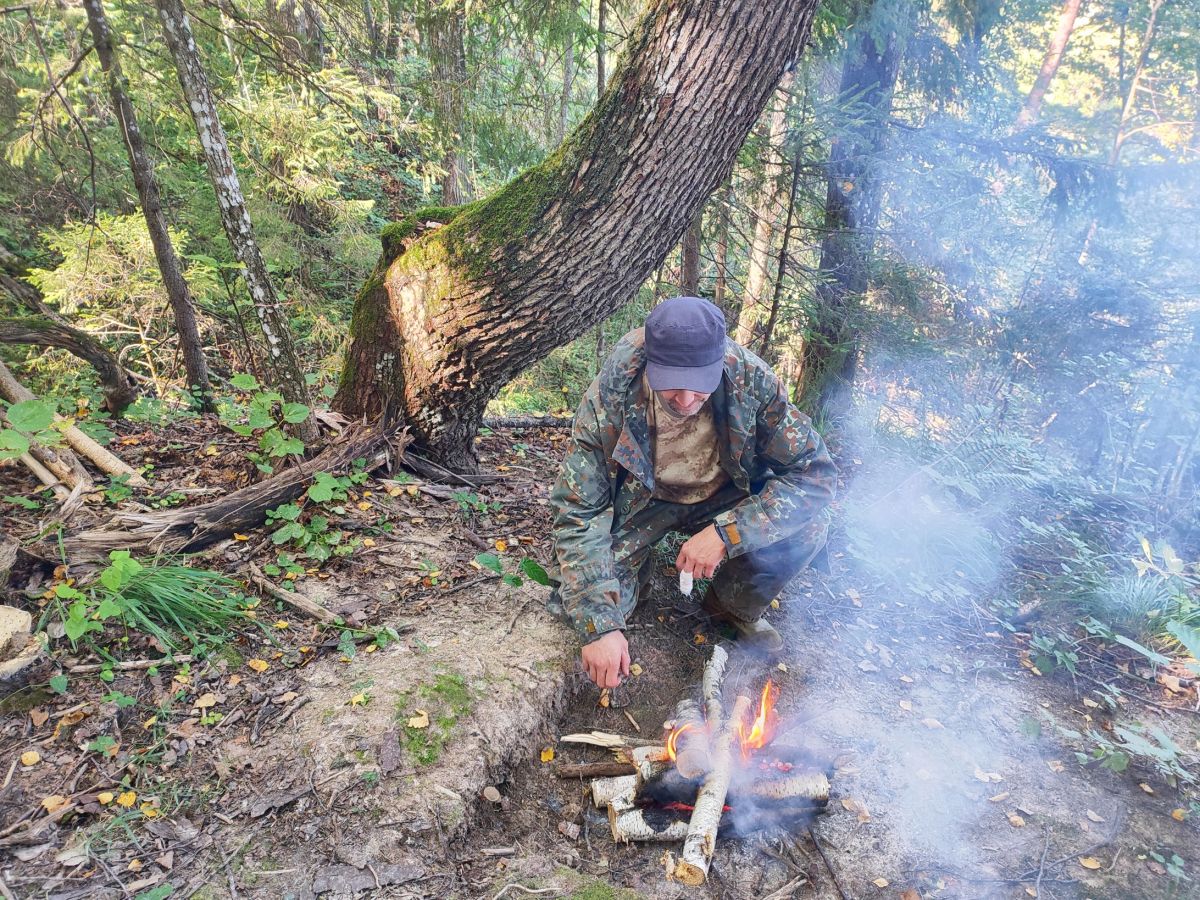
[44, 475]
[607, 769]
[134, 665]
[292, 599]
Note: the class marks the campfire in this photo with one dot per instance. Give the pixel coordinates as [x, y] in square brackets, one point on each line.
[717, 773]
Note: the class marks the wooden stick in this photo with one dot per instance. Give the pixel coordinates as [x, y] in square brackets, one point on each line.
[135, 665]
[45, 476]
[605, 789]
[292, 599]
[606, 769]
[698, 846]
[808, 785]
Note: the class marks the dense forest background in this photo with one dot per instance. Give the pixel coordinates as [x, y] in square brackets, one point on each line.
[964, 232]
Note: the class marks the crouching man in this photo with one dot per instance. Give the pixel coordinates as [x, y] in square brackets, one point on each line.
[684, 430]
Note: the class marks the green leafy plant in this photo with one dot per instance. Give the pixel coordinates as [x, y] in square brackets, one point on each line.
[264, 413]
[471, 504]
[528, 566]
[27, 422]
[311, 536]
[118, 489]
[165, 601]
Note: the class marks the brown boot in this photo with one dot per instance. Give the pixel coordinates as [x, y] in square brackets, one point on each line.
[758, 635]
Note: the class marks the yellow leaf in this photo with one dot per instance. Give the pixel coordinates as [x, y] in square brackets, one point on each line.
[205, 701]
[605, 698]
[999, 798]
[364, 505]
[1089, 862]
[240, 537]
[1145, 787]
[880, 882]
[363, 700]
[149, 810]
[235, 680]
[1094, 816]
[1090, 703]
[258, 665]
[135, 865]
[1179, 814]
[699, 639]
[501, 545]
[54, 802]
[547, 754]
[635, 669]
[127, 799]
[150, 722]
[775, 603]
[932, 723]
[283, 623]
[104, 798]
[38, 717]
[368, 542]
[1015, 820]
[395, 491]
[30, 758]
[413, 490]
[420, 720]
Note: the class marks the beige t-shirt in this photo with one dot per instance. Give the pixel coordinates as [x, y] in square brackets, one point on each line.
[687, 461]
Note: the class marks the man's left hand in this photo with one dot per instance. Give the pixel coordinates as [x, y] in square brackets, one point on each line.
[701, 553]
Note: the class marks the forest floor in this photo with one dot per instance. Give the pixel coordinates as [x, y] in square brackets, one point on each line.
[291, 762]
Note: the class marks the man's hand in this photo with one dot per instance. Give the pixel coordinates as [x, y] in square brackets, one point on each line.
[606, 659]
[702, 553]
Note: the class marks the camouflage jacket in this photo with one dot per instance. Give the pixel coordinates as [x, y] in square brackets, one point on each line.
[768, 448]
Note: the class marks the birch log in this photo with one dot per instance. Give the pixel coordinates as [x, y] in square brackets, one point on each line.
[698, 846]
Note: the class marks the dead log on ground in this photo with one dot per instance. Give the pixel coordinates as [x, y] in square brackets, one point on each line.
[291, 598]
[191, 528]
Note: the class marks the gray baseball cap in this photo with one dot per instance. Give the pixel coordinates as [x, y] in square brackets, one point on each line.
[685, 345]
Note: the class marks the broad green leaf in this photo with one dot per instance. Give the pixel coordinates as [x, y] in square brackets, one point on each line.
[511, 580]
[31, 415]
[490, 561]
[121, 570]
[12, 444]
[1171, 560]
[244, 381]
[108, 608]
[1190, 638]
[323, 488]
[1154, 656]
[58, 683]
[294, 413]
[534, 572]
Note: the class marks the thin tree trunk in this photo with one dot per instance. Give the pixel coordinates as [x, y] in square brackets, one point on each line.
[725, 208]
[1127, 109]
[444, 26]
[777, 297]
[601, 26]
[235, 217]
[754, 308]
[564, 105]
[440, 328]
[1054, 54]
[689, 252]
[169, 264]
[854, 191]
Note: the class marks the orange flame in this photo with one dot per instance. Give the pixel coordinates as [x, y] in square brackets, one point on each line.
[762, 730]
[674, 737]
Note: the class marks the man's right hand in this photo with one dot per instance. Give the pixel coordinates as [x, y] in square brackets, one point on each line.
[606, 659]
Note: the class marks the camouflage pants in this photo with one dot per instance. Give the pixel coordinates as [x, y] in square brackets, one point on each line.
[743, 586]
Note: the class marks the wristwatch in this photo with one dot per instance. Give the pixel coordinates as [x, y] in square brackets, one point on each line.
[726, 526]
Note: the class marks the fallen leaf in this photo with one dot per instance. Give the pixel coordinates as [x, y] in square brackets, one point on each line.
[868, 666]
[547, 754]
[395, 491]
[135, 865]
[104, 798]
[910, 894]
[1090, 703]
[880, 882]
[364, 505]
[240, 537]
[857, 807]
[149, 810]
[605, 698]
[38, 717]
[30, 758]
[363, 699]
[258, 665]
[988, 777]
[1054, 765]
[999, 798]
[205, 701]
[699, 639]
[501, 545]
[1179, 815]
[420, 720]
[635, 669]
[907, 679]
[932, 723]
[283, 623]
[1171, 683]
[150, 722]
[1095, 816]
[1015, 821]
[775, 603]
[854, 596]
[1089, 862]
[368, 542]
[906, 705]
[54, 802]
[1145, 787]
[127, 799]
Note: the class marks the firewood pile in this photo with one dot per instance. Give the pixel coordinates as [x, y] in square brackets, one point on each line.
[717, 773]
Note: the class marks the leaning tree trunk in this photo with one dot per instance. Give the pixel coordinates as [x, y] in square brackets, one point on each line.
[754, 302]
[235, 217]
[854, 189]
[448, 318]
[1050, 62]
[178, 294]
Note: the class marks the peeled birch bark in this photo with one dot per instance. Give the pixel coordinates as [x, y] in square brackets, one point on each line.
[692, 865]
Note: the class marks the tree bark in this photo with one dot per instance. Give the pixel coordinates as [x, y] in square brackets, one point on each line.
[601, 26]
[169, 265]
[443, 325]
[754, 307]
[781, 270]
[689, 266]
[721, 285]
[854, 190]
[1054, 54]
[235, 217]
[119, 389]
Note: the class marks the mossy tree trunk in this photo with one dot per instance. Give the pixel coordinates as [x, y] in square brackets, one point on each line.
[451, 315]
